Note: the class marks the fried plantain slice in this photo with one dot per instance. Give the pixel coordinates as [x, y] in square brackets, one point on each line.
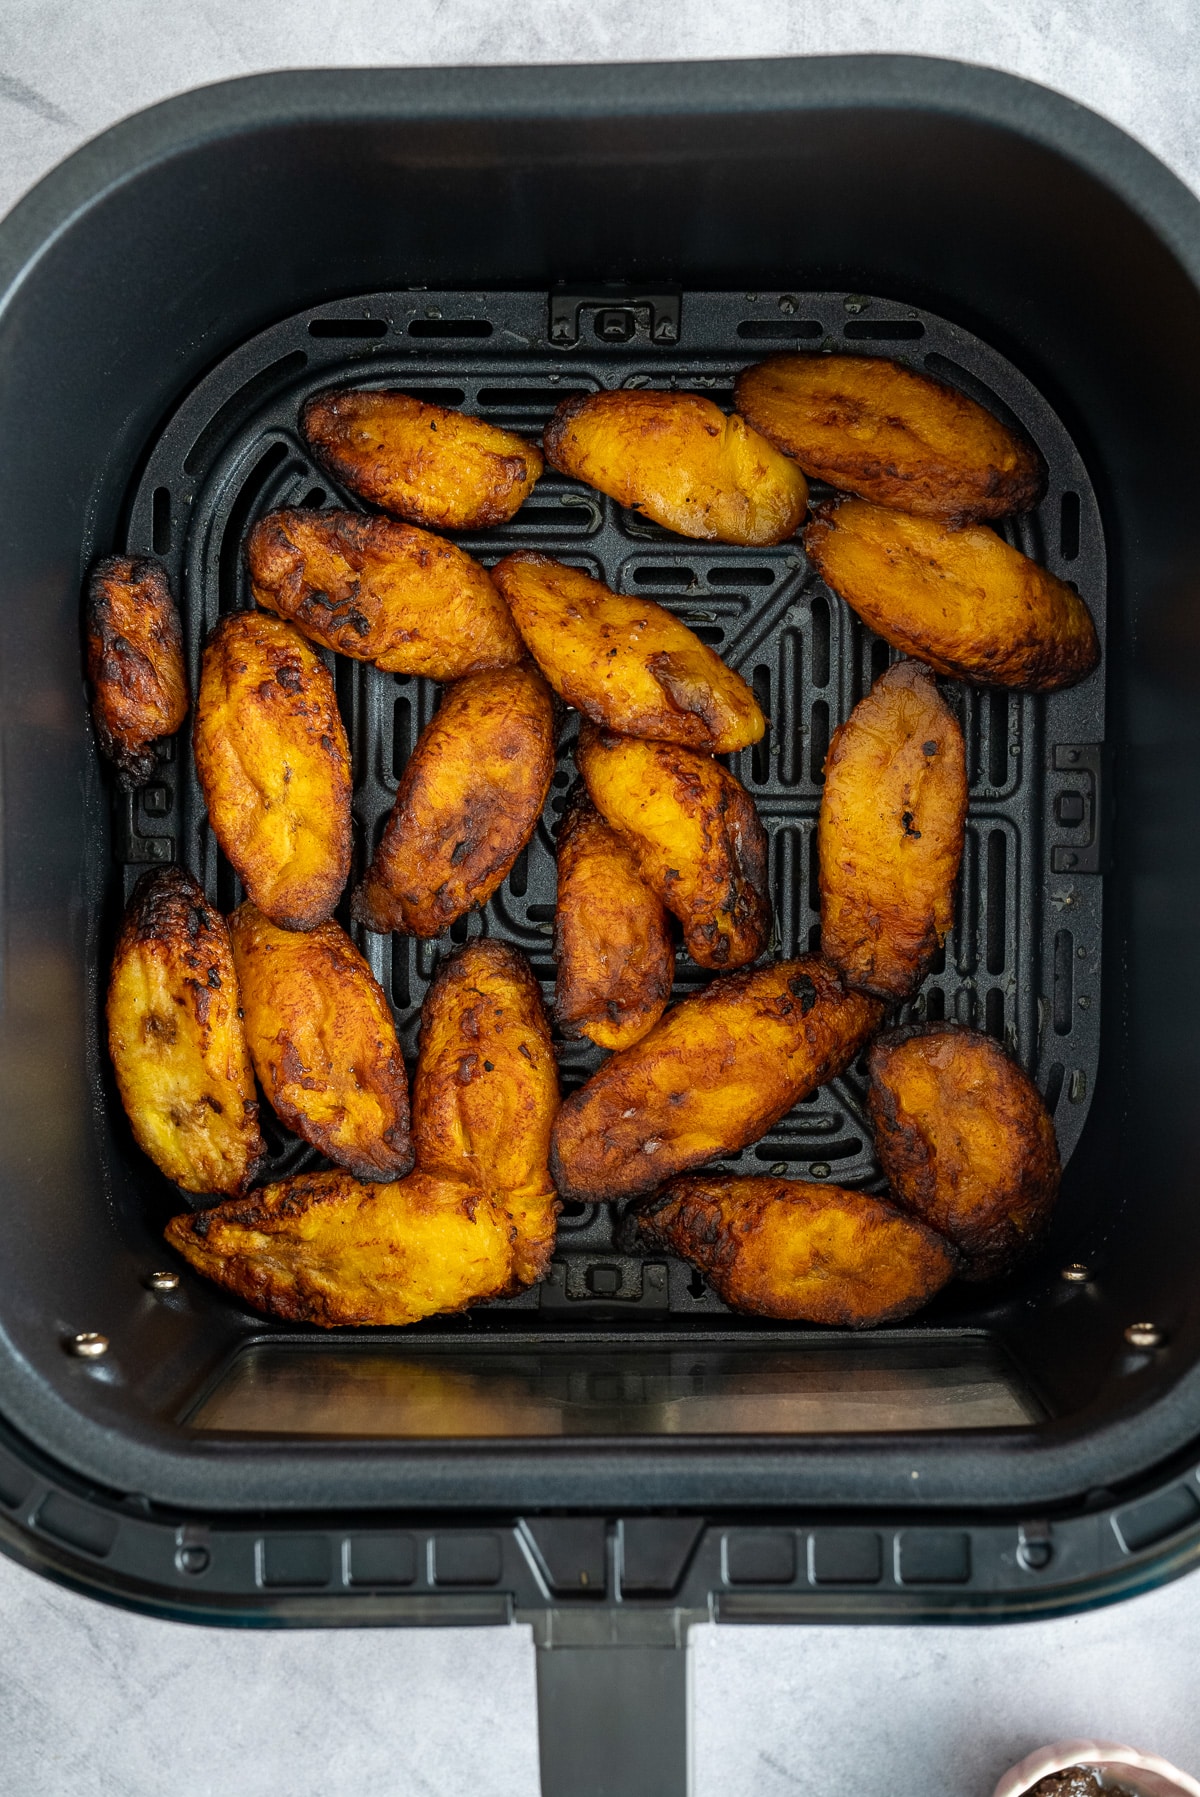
[176, 1038]
[467, 804]
[961, 600]
[626, 663]
[896, 437]
[696, 835]
[677, 458]
[323, 1042]
[808, 1253]
[890, 833]
[612, 943]
[134, 662]
[426, 463]
[486, 1091]
[717, 1072]
[274, 764]
[329, 1249]
[380, 591]
[965, 1140]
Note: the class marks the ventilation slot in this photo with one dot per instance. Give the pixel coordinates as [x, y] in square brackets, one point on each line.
[883, 330]
[518, 879]
[786, 885]
[935, 1005]
[1054, 1086]
[314, 499]
[527, 399]
[809, 1150]
[820, 642]
[741, 577]
[712, 634]
[880, 658]
[760, 755]
[449, 327]
[160, 521]
[779, 329]
[1064, 981]
[239, 405]
[347, 327]
[997, 900]
[663, 577]
[401, 980]
[997, 707]
[1068, 526]
[437, 396]
[229, 562]
[401, 735]
[576, 514]
[993, 1013]
[791, 746]
[814, 874]
[818, 743]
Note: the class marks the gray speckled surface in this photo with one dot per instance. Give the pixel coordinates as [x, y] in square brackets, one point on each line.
[95, 1701]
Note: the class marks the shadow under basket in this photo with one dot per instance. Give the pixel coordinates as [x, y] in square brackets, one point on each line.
[614, 1453]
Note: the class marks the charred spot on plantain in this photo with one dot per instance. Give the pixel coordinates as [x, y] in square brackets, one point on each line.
[906, 818]
[929, 748]
[805, 991]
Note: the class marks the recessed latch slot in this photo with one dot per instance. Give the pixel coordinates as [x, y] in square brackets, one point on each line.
[614, 317]
[1076, 808]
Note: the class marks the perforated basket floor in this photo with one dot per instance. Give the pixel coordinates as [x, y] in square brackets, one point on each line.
[1023, 960]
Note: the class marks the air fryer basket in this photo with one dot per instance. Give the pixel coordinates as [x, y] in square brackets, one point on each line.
[168, 296]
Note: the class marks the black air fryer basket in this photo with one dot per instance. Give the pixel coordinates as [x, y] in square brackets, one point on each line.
[614, 1453]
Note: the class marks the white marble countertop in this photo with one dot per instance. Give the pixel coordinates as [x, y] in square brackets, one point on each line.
[95, 1702]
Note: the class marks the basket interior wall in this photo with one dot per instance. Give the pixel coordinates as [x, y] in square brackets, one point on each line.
[165, 274]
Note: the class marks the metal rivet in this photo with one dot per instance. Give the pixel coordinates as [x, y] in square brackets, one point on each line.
[1085, 1003]
[162, 1281]
[1076, 1273]
[1144, 1335]
[820, 1169]
[779, 1168]
[87, 1345]
[193, 1558]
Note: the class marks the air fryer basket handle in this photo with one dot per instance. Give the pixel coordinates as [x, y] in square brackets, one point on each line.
[613, 1693]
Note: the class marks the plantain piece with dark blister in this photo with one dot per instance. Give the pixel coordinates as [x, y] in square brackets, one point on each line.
[803, 1252]
[134, 663]
[486, 1092]
[890, 833]
[677, 458]
[626, 663]
[274, 765]
[323, 1042]
[696, 835]
[893, 436]
[712, 1077]
[612, 941]
[468, 802]
[965, 1141]
[960, 599]
[330, 1249]
[431, 465]
[176, 1038]
[383, 592]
